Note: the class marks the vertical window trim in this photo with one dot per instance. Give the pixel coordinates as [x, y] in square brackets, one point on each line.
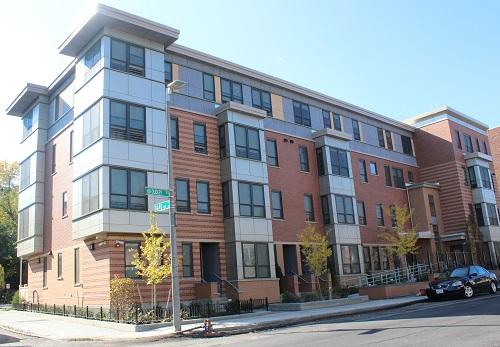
[168, 74]
[361, 213]
[388, 140]
[325, 209]
[226, 200]
[44, 275]
[381, 137]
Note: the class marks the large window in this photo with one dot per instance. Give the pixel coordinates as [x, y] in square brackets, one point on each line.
[381, 140]
[200, 138]
[128, 122]
[337, 123]
[182, 195]
[256, 260]
[24, 223]
[187, 260]
[277, 205]
[301, 113]
[231, 91]
[325, 209]
[320, 161]
[127, 57]
[168, 72]
[356, 133]
[407, 147]
[362, 171]
[345, 210]
[492, 214]
[399, 179]
[376, 258]
[472, 177]
[432, 205]
[130, 249]
[262, 100]
[25, 169]
[340, 165]
[272, 152]
[468, 143]
[28, 124]
[457, 138]
[251, 198]
[203, 196]
[91, 125]
[208, 87]
[127, 189]
[90, 192]
[366, 258]
[309, 208]
[380, 215]
[174, 132]
[327, 122]
[361, 213]
[388, 139]
[247, 142]
[63, 102]
[350, 259]
[485, 177]
[304, 159]
[387, 171]
[93, 55]
[479, 215]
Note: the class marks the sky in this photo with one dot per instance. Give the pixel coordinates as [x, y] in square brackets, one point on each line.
[396, 58]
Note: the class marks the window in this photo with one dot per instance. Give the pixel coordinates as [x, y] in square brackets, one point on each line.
[399, 180]
[472, 177]
[362, 171]
[277, 205]
[337, 124]
[387, 171]
[366, 258]
[457, 138]
[485, 177]
[464, 176]
[325, 209]
[262, 100]
[407, 147]
[168, 72]
[91, 125]
[130, 249]
[62, 102]
[24, 223]
[355, 130]
[373, 168]
[350, 259]
[174, 132]
[222, 142]
[272, 152]
[231, 91]
[361, 213]
[28, 124]
[388, 137]
[71, 146]
[393, 215]
[380, 215]
[492, 214]
[479, 215]
[327, 122]
[54, 166]
[340, 165]
[247, 142]
[203, 196]
[411, 178]
[187, 260]
[345, 210]
[301, 113]
[251, 197]
[127, 57]
[64, 204]
[90, 192]
[376, 258]
[304, 159]
[226, 204]
[381, 140]
[25, 169]
[485, 148]
[256, 260]
[93, 55]
[127, 122]
[182, 195]
[208, 87]
[320, 161]
[59, 265]
[127, 189]
[77, 266]
[309, 208]
[432, 206]
[468, 143]
[200, 138]
[44, 278]
[477, 145]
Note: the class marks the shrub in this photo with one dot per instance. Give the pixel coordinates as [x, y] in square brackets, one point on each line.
[14, 297]
[288, 297]
[122, 292]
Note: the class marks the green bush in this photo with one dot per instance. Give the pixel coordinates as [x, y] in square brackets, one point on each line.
[307, 297]
[13, 298]
[288, 297]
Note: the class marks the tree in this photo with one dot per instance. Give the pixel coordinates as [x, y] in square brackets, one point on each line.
[474, 239]
[401, 240]
[121, 292]
[152, 262]
[316, 252]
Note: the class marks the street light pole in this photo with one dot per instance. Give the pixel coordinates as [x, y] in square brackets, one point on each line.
[171, 87]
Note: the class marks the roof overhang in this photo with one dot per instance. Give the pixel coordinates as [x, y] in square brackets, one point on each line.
[427, 117]
[123, 21]
[452, 237]
[29, 94]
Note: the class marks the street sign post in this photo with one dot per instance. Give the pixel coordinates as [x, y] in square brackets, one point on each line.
[165, 205]
[157, 191]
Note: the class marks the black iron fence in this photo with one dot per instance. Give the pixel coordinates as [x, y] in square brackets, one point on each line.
[137, 315]
[449, 260]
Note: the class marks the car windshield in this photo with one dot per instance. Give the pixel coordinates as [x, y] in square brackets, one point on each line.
[460, 272]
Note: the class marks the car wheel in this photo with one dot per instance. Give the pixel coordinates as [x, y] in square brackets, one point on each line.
[468, 291]
[493, 287]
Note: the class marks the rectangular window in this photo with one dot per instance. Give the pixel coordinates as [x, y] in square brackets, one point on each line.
[25, 169]
[182, 195]
[28, 124]
[411, 178]
[174, 132]
[366, 258]
[90, 192]
[477, 145]
[277, 205]
[356, 133]
[337, 124]
[376, 258]
[432, 205]
[91, 125]
[262, 100]
[345, 209]
[128, 122]
[203, 196]
[387, 171]
[304, 159]
[320, 161]
[127, 57]
[64, 204]
[59, 265]
[24, 223]
[272, 152]
[373, 168]
[63, 102]
[340, 165]
[301, 113]
[187, 260]
[457, 138]
[77, 266]
[168, 72]
[54, 166]
[309, 208]
[226, 202]
[251, 198]
[93, 55]
[472, 177]
[479, 215]
[71, 146]
[362, 171]
[208, 87]
[350, 259]
[380, 215]
[485, 148]
[399, 179]
[327, 122]
[130, 249]
[468, 143]
[325, 209]
[388, 138]
[200, 138]
[231, 91]
[361, 213]
[222, 142]
[492, 214]
[407, 147]
[381, 139]
[393, 215]
[256, 260]
[44, 277]
[464, 176]
[247, 142]
[485, 177]
[127, 189]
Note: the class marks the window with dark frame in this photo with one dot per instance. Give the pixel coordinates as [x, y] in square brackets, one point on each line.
[76, 268]
[485, 177]
[388, 138]
[277, 204]
[168, 72]
[381, 139]
[304, 159]
[457, 139]
[44, 276]
[91, 125]
[262, 100]
[128, 189]
[492, 214]
[373, 168]
[355, 130]
[25, 174]
[350, 259]
[376, 258]
[208, 87]
[203, 197]
[468, 143]
[361, 213]
[128, 122]
[64, 204]
[380, 215]
[393, 215]
[247, 142]
[222, 142]
[200, 138]
[366, 258]
[28, 124]
[187, 260]
[130, 248]
[407, 147]
[59, 265]
[93, 55]
[432, 205]
[174, 133]
[362, 171]
[231, 91]
[478, 148]
[301, 113]
[325, 209]
[127, 57]
[24, 223]
[345, 209]
[339, 162]
[226, 203]
[472, 177]
[182, 195]
[90, 192]
[479, 215]
[327, 122]
[485, 148]
[337, 123]
[256, 260]
[388, 181]
[54, 166]
[411, 177]
[251, 199]
[320, 161]
[464, 176]
[399, 179]
[309, 208]
[272, 152]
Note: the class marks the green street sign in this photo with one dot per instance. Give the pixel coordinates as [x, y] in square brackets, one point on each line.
[156, 191]
[165, 205]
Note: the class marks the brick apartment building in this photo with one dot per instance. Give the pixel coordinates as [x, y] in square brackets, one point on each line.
[254, 157]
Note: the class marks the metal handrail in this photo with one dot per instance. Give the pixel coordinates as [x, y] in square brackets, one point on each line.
[387, 276]
[225, 280]
[301, 278]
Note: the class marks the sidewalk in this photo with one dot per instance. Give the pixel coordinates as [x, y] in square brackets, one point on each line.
[65, 328]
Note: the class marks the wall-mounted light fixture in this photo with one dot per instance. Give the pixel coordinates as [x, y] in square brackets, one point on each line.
[38, 260]
[102, 243]
[291, 141]
[91, 247]
[285, 140]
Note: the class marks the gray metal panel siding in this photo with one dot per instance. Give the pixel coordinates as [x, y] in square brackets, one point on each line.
[288, 110]
[60, 124]
[316, 118]
[247, 95]
[369, 134]
[382, 153]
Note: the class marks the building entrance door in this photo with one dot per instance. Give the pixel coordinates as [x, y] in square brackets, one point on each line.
[210, 262]
[290, 259]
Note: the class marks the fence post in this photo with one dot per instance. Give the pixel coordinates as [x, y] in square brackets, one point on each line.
[64, 309]
[267, 304]
[208, 309]
[137, 315]
[251, 305]
[117, 314]
[101, 312]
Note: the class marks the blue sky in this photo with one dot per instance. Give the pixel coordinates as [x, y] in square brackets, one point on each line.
[396, 58]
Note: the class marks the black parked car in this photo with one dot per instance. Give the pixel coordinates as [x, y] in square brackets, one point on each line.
[463, 281]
